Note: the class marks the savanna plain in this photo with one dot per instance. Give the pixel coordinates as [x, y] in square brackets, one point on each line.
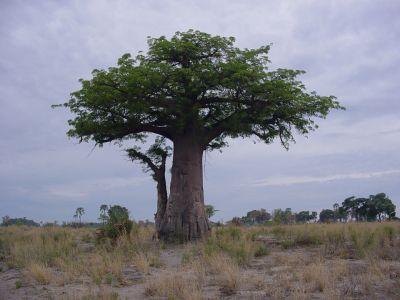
[305, 261]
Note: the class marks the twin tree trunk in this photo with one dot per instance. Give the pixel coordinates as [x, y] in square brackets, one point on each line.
[162, 197]
[182, 216]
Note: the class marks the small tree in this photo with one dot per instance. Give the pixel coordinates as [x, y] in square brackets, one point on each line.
[336, 211]
[210, 210]
[278, 216]
[80, 211]
[326, 216]
[256, 217]
[283, 216]
[303, 217]
[314, 216]
[6, 220]
[383, 206]
[154, 160]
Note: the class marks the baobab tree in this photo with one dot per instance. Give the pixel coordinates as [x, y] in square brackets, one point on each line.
[196, 90]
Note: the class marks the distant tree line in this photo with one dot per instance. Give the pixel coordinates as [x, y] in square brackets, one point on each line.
[7, 221]
[374, 208]
[107, 213]
[278, 216]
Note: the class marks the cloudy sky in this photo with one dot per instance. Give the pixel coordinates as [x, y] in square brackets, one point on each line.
[349, 49]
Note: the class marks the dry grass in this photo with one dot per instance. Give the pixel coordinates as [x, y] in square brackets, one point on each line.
[255, 281]
[173, 285]
[39, 272]
[73, 252]
[353, 240]
[141, 262]
[236, 242]
[103, 293]
[226, 270]
[326, 261]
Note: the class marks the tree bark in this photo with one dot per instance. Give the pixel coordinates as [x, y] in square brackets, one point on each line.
[162, 197]
[185, 218]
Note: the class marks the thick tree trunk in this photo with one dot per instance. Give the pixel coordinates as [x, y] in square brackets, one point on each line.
[162, 198]
[185, 218]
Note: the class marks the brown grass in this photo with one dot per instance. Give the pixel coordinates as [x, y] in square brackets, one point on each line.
[326, 261]
[39, 272]
[141, 262]
[173, 285]
[74, 253]
[102, 293]
[226, 270]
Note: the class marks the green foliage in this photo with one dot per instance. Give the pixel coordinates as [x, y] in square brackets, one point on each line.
[7, 221]
[80, 211]
[261, 250]
[18, 284]
[210, 210]
[103, 213]
[117, 223]
[153, 160]
[109, 279]
[253, 217]
[374, 207]
[256, 217]
[195, 84]
[283, 216]
[326, 216]
[305, 216]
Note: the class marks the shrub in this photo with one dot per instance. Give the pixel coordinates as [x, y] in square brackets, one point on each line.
[261, 250]
[18, 284]
[117, 225]
[41, 273]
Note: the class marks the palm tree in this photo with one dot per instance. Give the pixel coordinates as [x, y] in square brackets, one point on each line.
[103, 213]
[78, 213]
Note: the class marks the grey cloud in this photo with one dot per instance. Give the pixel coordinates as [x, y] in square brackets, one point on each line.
[83, 188]
[289, 180]
[348, 48]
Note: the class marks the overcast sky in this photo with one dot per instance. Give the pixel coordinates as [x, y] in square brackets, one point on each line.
[349, 49]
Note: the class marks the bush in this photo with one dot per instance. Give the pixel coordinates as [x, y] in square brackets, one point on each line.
[117, 225]
[261, 250]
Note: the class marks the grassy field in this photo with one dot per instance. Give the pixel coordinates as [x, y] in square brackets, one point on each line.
[312, 261]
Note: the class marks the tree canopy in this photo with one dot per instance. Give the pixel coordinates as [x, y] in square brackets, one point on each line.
[374, 207]
[195, 83]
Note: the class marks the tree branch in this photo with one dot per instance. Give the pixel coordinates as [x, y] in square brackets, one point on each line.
[127, 130]
[135, 154]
